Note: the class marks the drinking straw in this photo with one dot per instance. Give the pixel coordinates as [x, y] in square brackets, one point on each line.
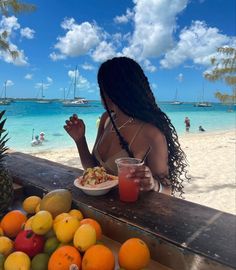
[146, 154]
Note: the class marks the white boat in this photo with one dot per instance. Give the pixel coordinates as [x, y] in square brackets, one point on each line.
[5, 100]
[42, 99]
[176, 102]
[203, 103]
[76, 101]
[79, 102]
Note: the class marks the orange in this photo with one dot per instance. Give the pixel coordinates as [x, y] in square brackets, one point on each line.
[95, 225]
[63, 257]
[98, 257]
[133, 254]
[12, 223]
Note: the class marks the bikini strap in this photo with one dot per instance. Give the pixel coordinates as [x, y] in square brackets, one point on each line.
[136, 134]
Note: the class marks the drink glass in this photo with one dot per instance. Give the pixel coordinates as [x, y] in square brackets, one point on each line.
[128, 189]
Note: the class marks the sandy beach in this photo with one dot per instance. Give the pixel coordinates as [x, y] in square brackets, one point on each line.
[212, 166]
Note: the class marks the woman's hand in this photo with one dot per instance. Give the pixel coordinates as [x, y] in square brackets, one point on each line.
[75, 128]
[143, 176]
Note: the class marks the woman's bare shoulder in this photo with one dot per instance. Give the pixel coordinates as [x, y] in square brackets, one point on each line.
[153, 133]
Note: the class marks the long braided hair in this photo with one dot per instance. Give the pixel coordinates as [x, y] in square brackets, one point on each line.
[124, 82]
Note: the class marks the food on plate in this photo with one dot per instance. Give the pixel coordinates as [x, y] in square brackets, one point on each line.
[95, 176]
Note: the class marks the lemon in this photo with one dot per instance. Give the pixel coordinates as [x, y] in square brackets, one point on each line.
[42, 222]
[17, 260]
[30, 203]
[51, 245]
[6, 245]
[66, 229]
[85, 237]
[28, 223]
[40, 262]
[76, 213]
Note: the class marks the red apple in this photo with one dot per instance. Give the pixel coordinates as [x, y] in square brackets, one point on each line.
[29, 242]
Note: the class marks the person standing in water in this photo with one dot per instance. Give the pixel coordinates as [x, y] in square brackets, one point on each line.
[187, 123]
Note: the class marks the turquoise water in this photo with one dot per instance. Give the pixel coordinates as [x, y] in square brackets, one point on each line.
[24, 116]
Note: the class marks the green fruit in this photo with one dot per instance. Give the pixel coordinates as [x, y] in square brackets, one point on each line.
[50, 234]
[2, 259]
[40, 262]
[57, 201]
[51, 245]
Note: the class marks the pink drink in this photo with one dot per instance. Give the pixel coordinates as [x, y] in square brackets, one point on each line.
[128, 189]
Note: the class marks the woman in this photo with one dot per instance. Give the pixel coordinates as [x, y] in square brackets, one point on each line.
[132, 124]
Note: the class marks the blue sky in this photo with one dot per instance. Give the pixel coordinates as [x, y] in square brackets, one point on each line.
[173, 40]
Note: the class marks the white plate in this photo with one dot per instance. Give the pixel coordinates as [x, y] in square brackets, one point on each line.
[98, 190]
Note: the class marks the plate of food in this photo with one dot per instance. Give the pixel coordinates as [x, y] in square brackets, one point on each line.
[96, 181]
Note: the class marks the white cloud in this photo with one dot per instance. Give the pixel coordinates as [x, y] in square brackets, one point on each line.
[28, 76]
[148, 66]
[50, 80]
[197, 43]
[9, 83]
[11, 25]
[154, 25]
[180, 77]
[87, 66]
[41, 85]
[78, 40]
[27, 33]
[124, 18]
[103, 52]
[54, 56]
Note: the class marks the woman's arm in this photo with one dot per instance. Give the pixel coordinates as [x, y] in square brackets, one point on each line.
[154, 174]
[76, 129]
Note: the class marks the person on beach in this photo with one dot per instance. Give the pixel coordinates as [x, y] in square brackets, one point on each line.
[41, 136]
[132, 123]
[201, 129]
[187, 123]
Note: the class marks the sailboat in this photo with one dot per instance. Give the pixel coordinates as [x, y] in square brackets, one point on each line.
[42, 99]
[76, 101]
[5, 101]
[176, 102]
[203, 103]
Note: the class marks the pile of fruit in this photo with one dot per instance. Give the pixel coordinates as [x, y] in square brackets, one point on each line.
[49, 235]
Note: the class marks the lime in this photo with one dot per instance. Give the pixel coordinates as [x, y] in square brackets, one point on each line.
[2, 259]
[51, 245]
[40, 262]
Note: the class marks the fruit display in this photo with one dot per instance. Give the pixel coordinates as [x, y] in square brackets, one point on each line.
[55, 240]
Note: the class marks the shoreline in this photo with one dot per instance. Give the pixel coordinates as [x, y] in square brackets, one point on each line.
[211, 158]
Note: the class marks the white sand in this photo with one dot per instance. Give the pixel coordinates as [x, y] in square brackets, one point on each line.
[212, 167]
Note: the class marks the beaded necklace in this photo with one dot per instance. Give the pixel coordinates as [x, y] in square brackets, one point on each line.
[130, 120]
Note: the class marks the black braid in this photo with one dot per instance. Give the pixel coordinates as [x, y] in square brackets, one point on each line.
[124, 82]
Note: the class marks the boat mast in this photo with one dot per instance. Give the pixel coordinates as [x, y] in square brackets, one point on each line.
[75, 80]
[42, 90]
[5, 91]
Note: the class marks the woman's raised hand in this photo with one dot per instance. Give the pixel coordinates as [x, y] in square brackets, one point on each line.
[75, 127]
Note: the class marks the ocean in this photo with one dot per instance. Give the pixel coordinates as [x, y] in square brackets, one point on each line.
[26, 119]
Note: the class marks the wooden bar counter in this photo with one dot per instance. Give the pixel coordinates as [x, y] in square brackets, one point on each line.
[181, 235]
